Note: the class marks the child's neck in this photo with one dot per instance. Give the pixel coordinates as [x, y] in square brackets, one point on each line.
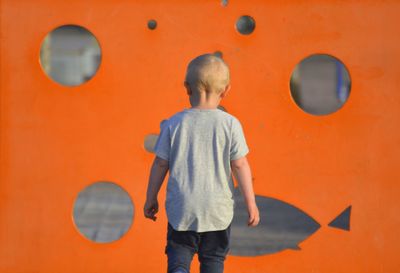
[204, 107]
[203, 102]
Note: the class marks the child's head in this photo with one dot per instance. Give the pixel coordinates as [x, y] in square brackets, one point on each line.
[207, 74]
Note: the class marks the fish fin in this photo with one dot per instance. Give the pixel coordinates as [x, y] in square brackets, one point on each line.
[342, 221]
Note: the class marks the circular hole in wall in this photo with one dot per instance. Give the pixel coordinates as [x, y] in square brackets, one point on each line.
[103, 212]
[245, 25]
[320, 84]
[218, 54]
[152, 24]
[149, 142]
[70, 55]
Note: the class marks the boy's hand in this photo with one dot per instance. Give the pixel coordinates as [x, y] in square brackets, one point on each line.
[254, 215]
[150, 209]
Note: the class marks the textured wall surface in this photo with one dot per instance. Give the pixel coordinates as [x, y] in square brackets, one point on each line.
[56, 140]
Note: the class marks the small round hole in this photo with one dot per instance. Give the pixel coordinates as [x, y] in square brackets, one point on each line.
[152, 24]
[218, 54]
[149, 142]
[245, 25]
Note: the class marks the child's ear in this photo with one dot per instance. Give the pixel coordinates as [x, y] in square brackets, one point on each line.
[187, 86]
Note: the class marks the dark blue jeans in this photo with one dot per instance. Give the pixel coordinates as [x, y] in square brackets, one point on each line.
[210, 246]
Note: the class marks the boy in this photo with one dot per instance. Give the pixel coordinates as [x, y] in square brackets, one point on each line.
[200, 146]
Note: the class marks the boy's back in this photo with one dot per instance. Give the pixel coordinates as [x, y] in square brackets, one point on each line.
[199, 145]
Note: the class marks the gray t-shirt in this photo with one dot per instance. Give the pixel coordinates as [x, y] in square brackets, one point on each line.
[199, 145]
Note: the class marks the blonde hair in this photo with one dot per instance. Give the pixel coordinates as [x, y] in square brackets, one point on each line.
[207, 73]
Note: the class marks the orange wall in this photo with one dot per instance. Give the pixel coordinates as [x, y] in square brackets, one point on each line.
[56, 140]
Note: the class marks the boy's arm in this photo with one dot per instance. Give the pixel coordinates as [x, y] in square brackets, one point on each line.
[158, 172]
[242, 173]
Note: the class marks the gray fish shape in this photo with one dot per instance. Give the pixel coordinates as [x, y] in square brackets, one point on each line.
[282, 226]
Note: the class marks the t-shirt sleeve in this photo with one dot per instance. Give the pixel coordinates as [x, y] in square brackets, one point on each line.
[239, 146]
[163, 144]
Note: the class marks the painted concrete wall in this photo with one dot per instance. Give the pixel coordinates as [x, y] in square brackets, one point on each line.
[56, 140]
